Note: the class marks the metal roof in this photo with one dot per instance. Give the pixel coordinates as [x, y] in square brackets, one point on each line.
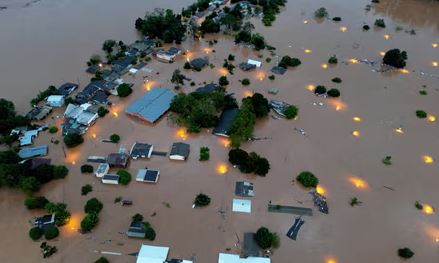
[225, 122]
[152, 254]
[33, 152]
[152, 105]
[233, 258]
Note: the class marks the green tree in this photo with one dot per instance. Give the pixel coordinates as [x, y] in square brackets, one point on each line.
[258, 41]
[291, 112]
[262, 166]
[421, 114]
[137, 218]
[245, 82]
[86, 189]
[35, 233]
[164, 25]
[237, 156]
[264, 238]
[102, 260]
[93, 205]
[204, 154]
[333, 60]
[201, 200]
[60, 171]
[336, 80]
[288, 61]
[53, 129]
[380, 23]
[223, 81]
[86, 168]
[395, 58]
[114, 138]
[124, 177]
[102, 111]
[73, 139]
[108, 46]
[149, 232]
[405, 252]
[29, 184]
[335, 93]
[320, 90]
[35, 202]
[124, 90]
[321, 13]
[89, 222]
[51, 232]
[307, 179]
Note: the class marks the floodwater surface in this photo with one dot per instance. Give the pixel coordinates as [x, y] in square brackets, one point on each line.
[50, 41]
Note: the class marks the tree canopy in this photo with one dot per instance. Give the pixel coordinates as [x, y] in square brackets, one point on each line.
[395, 58]
[162, 24]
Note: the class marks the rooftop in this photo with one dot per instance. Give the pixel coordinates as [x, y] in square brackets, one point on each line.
[232, 258]
[143, 150]
[208, 88]
[118, 159]
[152, 105]
[152, 254]
[225, 122]
[147, 175]
[180, 149]
[30, 152]
[67, 88]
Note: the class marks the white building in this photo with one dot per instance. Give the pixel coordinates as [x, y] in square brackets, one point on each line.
[242, 206]
[102, 170]
[232, 258]
[258, 64]
[55, 101]
[110, 179]
[152, 254]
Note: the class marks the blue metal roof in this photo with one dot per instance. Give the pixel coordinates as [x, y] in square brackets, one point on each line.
[30, 152]
[152, 105]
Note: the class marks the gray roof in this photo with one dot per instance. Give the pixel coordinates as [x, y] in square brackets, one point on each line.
[117, 159]
[67, 88]
[208, 88]
[225, 122]
[244, 189]
[199, 63]
[45, 221]
[140, 150]
[180, 148]
[136, 229]
[246, 66]
[278, 70]
[152, 105]
[148, 175]
[113, 177]
[30, 152]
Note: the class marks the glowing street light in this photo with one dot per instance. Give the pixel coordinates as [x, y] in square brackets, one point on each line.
[427, 159]
[182, 134]
[307, 51]
[356, 133]
[310, 87]
[358, 182]
[386, 36]
[343, 29]
[435, 63]
[434, 45]
[222, 168]
[382, 53]
[356, 119]
[320, 189]
[405, 71]
[324, 65]
[431, 118]
[427, 209]
[399, 130]
[354, 61]
[305, 22]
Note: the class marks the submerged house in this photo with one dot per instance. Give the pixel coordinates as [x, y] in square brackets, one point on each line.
[141, 150]
[179, 151]
[209, 88]
[78, 118]
[152, 105]
[279, 70]
[67, 89]
[31, 152]
[244, 188]
[246, 66]
[44, 222]
[102, 170]
[39, 113]
[122, 65]
[225, 122]
[242, 206]
[199, 63]
[256, 63]
[110, 179]
[147, 176]
[28, 137]
[119, 160]
[233, 258]
[169, 55]
[136, 229]
[55, 101]
[152, 254]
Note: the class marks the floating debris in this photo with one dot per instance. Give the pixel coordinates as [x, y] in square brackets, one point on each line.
[320, 201]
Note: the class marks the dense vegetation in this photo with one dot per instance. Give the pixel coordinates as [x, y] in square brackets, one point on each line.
[86, 168]
[307, 179]
[204, 154]
[73, 139]
[124, 177]
[9, 118]
[266, 239]
[200, 110]
[249, 162]
[405, 252]
[42, 95]
[162, 24]
[291, 112]
[395, 58]
[124, 90]
[288, 61]
[91, 219]
[201, 200]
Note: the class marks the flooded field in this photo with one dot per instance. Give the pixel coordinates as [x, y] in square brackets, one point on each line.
[49, 42]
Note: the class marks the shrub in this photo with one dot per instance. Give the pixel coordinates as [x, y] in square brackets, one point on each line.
[421, 114]
[73, 139]
[47, 250]
[336, 80]
[423, 92]
[288, 61]
[37, 202]
[51, 232]
[405, 252]
[268, 60]
[124, 177]
[271, 77]
[201, 200]
[93, 206]
[355, 201]
[102, 111]
[223, 81]
[262, 166]
[86, 189]
[35, 233]
[334, 93]
[321, 13]
[336, 19]
[395, 58]
[187, 65]
[123, 90]
[149, 232]
[204, 154]
[265, 239]
[53, 129]
[60, 171]
[387, 160]
[333, 60]
[380, 23]
[102, 260]
[137, 218]
[237, 156]
[231, 57]
[366, 27]
[89, 222]
[307, 179]
[320, 90]
[29, 184]
[86, 168]
[418, 205]
[291, 112]
[245, 82]
[114, 138]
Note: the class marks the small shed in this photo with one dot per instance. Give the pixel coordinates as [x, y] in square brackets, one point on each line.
[119, 160]
[242, 206]
[110, 179]
[55, 101]
[141, 150]
[102, 170]
[179, 151]
[257, 64]
[147, 176]
[136, 230]
[244, 189]
[279, 70]
[152, 254]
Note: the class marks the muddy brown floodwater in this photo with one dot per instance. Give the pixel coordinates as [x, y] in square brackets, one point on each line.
[49, 42]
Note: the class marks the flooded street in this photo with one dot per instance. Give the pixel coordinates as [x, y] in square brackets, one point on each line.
[49, 42]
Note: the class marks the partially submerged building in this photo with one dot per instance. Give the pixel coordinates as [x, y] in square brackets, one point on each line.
[233, 258]
[179, 151]
[279, 106]
[152, 105]
[246, 66]
[44, 222]
[209, 88]
[118, 160]
[136, 229]
[199, 63]
[55, 101]
[67, 89]
[278, 70]
[147, 176]
[78, 118]
[39, 113]
[256, 63]
[141, 150]
[102, 170]
[152, 254]
[242, 206]
[110, 179]
[28, 137]
[225, 122]
[31, 152]
[169, 55]
[244, 189]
